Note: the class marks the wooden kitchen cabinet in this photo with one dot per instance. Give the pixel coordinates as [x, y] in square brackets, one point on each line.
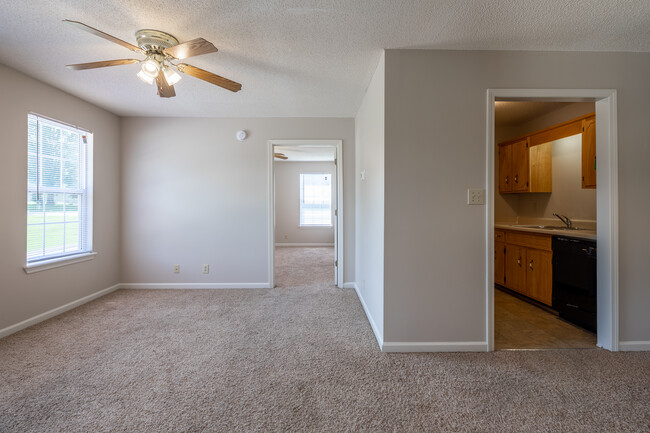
[589, 152]
[505, 169]
[499, 257]
[527, 265]
[520, 166]
[515, 269]
[539, 271]
[525, 168]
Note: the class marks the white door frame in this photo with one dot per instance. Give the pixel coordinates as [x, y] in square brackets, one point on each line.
[338, 145]
[606, 207]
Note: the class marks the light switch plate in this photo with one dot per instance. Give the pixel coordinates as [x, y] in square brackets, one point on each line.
[475, 196]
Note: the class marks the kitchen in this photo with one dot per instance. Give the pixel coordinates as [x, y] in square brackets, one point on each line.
[545, 225]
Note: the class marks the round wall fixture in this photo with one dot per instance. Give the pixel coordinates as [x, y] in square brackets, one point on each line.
[241, 135]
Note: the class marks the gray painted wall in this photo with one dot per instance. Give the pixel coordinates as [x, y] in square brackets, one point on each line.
[24, 296]
[435, 148]
[193, 194]
[369, 130]
[287, 203]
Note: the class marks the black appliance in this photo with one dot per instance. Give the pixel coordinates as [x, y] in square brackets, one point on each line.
[574, 280]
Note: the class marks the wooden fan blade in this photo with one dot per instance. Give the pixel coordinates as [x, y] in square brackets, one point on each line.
[209, 77]
[106, 36]
[102, 64]
[280, 156]
[164, 89]
[195, 47]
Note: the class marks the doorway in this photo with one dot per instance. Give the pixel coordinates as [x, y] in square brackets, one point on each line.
[607, 209]
[306, 167]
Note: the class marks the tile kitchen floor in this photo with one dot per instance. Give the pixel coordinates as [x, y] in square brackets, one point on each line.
[520, 325]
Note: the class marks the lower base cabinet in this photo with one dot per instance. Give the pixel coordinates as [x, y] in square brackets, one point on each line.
[523, 263]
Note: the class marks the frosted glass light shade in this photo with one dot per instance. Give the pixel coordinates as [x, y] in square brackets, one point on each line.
[151, 68]
[144, 77]
[171, 76]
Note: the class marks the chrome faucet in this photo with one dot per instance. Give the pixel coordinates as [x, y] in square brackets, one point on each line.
[565, 219]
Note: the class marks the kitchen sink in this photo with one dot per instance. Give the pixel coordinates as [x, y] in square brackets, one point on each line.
[531, 226]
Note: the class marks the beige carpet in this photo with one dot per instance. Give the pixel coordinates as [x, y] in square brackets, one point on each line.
[301, 358]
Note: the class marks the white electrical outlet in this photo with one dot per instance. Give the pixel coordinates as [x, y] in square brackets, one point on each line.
[177, 269]
[206, 269]
[475, 196]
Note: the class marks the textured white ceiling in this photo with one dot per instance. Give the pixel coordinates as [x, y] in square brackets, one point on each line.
[294, 58]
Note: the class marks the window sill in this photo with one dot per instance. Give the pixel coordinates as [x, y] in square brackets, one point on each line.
[316, 226]
[44, 265]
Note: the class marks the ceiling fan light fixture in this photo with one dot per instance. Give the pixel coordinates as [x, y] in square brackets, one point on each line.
[144, 77]
[171, 76]
[150, 67]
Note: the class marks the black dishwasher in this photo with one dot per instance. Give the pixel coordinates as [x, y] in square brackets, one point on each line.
[574, 280]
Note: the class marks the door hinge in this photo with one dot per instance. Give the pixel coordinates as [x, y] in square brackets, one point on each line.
[335, 161]
[336, 212]
[336, 263]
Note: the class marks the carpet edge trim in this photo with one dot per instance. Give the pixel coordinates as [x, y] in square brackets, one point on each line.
[12, 329]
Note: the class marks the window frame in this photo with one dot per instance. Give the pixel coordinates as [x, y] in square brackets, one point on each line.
[84, 190]
[301, 225]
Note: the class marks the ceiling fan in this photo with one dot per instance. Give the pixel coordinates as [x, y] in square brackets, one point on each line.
[280, 155]
[161, 51]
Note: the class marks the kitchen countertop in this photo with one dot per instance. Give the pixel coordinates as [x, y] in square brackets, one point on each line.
[580, 234]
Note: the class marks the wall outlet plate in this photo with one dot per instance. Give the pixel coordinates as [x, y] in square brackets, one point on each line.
[177, 269]
[205, 269]
[476, 196]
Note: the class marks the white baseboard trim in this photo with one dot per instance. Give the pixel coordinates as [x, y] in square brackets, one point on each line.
[634, 346]
[373, 325]
[452, 346]
[295, 244]
[190, 286]
[55, 311]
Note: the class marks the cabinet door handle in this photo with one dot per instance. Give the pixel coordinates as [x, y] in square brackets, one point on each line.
[507, 180]
[530, 265]
[519, 261]
[516, 178]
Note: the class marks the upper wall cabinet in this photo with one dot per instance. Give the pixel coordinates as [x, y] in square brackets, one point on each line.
[589, 152]
[525, 168]
[526, 163]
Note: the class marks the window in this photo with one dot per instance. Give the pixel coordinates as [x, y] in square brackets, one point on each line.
[59, 191]
[316, 199]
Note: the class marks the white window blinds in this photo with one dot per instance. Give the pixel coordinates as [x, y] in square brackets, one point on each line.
[316, 199]
[59, 199]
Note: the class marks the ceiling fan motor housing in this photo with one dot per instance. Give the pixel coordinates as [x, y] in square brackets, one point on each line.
[154, 40]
